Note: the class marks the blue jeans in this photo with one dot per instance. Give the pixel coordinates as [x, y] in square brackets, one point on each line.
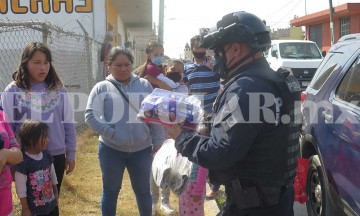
[112, 164]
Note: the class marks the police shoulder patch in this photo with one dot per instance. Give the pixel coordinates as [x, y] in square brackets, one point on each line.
[228, 123]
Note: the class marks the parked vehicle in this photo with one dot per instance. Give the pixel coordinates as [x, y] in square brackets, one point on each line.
[300, 57]
[331, 132]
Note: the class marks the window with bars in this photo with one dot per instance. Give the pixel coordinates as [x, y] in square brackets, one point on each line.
[344, 26]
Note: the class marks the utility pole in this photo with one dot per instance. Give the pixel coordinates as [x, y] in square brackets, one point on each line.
[305, 8]
[331, 22]
[161, 22]
[106, 16]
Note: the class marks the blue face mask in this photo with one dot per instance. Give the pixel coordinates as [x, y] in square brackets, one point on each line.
[157, 60]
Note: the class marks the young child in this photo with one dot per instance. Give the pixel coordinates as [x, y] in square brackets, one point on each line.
[9, 154]
[151, 68]
[176, 65]
[176, 77]
[191, 201]
[165, 193]
[35, 178]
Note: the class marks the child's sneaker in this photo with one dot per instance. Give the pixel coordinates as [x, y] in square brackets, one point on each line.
[154, 205]
[165, 207]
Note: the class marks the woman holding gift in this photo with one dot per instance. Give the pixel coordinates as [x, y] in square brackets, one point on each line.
[124, 141]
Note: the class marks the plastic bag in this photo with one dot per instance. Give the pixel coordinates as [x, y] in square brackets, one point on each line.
[171, 169]
[167, 108]
[179, 174]
[300, 181]
[163, 160]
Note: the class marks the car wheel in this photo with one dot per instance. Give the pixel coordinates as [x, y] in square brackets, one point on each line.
[318, 204]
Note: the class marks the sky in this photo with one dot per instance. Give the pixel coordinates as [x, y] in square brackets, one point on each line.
[183, 18]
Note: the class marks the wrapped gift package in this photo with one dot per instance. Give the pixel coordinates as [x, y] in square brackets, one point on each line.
[167, 108]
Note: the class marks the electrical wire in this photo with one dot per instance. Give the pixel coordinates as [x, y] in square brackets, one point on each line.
[275, 11]
[292, 9]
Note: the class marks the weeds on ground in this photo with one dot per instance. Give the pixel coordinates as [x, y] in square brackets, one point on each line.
[81, 190]
[220, 199]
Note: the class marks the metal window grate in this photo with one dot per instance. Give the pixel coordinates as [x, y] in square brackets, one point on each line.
[344, 26]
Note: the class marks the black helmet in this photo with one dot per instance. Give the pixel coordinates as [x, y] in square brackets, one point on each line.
[239, 27]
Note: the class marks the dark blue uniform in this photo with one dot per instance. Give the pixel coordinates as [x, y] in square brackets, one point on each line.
[239, 147]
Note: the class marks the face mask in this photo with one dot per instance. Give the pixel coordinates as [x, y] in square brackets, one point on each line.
[157, 60]
[220, 68]
[199, 55]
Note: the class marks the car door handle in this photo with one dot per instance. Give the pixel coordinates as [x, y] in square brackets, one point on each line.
[328, 117]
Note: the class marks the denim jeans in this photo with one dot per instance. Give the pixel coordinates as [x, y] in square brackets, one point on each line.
[112, 164]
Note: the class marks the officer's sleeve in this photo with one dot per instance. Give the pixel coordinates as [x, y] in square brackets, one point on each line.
[231, 136]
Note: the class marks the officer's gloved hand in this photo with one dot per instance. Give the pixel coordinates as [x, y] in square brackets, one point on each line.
[180, 141]
[203, 130]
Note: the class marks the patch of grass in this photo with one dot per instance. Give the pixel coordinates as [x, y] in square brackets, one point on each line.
[221, 199]
[81, 190]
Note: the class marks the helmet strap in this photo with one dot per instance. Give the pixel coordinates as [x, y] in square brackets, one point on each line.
[242, 60]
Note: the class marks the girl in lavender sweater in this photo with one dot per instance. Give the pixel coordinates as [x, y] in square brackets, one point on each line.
[37, 93]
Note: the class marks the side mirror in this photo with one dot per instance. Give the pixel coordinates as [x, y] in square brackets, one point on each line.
[323, 53]
[274, 53]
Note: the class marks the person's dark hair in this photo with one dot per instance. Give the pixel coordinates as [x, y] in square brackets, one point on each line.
[174, 76]
[149, 48]
[21, 75]
[31, 133]
[178, 61]
[193, 40]
[116, 51]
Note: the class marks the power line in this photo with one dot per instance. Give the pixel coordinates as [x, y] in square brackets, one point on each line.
[292, 9]
[274, 12]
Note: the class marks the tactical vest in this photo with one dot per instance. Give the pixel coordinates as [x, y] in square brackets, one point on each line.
[272, 159]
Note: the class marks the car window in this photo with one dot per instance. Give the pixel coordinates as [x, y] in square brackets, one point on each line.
[274, 49]
[266, 53]
[349, 88]
[299, 51]
[325, 70]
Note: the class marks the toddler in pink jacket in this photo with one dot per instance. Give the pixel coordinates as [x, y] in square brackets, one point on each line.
[191, 202]
[9, 154]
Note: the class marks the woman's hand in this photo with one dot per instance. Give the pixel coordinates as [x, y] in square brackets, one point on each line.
[154, 81]
[155, 148]
[69, 166]
[3, 158]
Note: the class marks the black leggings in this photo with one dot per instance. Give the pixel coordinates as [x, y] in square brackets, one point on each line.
[54, 212]
[59, 164]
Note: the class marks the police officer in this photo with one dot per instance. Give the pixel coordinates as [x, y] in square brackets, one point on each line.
[252, 146]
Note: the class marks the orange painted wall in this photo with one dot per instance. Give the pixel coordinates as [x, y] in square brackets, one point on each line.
[355, 23]
[326, 40]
